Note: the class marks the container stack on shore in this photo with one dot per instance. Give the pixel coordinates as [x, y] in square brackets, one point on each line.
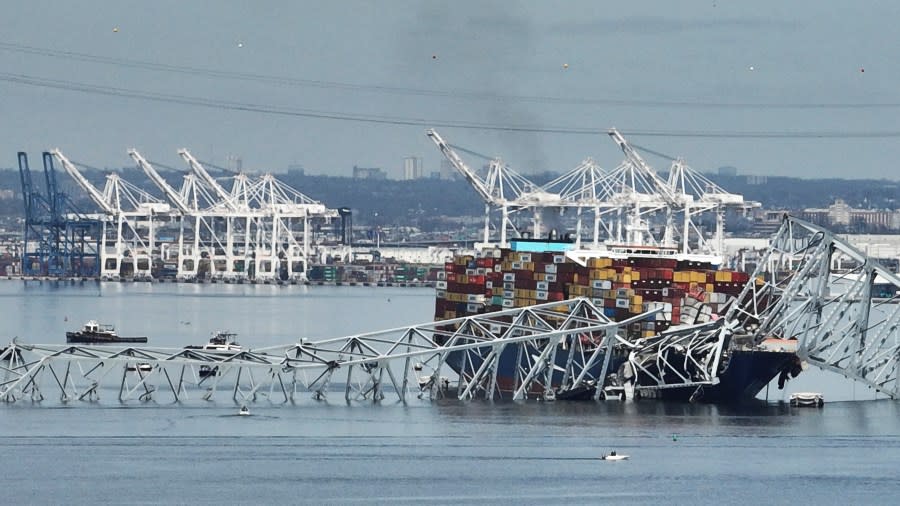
[687, 292]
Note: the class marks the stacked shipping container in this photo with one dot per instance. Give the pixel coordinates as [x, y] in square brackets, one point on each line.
[687, 292]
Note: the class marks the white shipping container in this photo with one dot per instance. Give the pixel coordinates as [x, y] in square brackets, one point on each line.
[559, 259]
[540, 295]
[541, 285]
[441, 294]
[551, 278]
[623, 303]
[509, 285]
[489, 285]
[509, 276]
[441, 285]
[441, 275]
[508, 303]
[550, 269]
[524, 257]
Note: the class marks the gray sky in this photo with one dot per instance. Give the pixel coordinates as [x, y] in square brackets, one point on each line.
[670, 67]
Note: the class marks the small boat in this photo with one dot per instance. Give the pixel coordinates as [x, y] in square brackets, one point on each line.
[807, 399]
[100, 333]
[245, 411]
[220, 342]
[614, 456]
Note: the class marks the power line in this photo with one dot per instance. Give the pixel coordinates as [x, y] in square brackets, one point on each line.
[27, 80]
[472, 95]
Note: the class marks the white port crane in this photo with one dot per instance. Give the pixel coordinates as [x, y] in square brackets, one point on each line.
[133, 211]
[622, 200]
[511, 192]
[642, 192]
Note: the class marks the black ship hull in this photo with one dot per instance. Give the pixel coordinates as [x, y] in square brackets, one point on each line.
[92, 338]
[747, 373]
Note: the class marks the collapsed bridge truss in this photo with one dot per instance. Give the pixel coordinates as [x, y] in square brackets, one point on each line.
[366, 366]
[841, 306]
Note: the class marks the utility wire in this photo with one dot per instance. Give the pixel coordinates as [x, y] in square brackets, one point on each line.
[398, 90]
[27, 80]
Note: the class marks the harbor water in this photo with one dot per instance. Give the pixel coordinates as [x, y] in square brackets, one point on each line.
[316, 452]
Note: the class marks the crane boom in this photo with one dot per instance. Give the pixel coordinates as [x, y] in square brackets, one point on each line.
[82, 181]
[461, 166]
[207, 178]
[161, 183]
[632, 156]
[27, 185]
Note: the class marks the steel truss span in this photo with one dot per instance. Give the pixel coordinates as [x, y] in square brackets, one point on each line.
[366, 367]
[841, 306]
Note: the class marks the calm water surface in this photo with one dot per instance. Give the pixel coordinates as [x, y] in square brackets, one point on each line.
[391, 453]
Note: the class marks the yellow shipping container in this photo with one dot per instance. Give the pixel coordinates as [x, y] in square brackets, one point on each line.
[636, 308]
[710, 287]
[637, 299]
[635, 275]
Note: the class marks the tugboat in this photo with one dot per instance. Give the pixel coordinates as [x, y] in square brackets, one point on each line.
[220, 342]
[100, 333]
[614, 456]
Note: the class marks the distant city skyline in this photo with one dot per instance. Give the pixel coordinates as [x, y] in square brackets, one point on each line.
[772, 88]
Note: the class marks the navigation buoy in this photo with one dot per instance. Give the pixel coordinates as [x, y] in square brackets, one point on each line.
[565, 65]
[116, 30]
[240, 44]
[674, 437]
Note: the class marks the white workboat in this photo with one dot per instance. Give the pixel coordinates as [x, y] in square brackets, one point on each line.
[807, 399]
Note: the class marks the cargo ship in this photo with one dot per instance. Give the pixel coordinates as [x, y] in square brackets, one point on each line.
[688, 291]
[99, 333]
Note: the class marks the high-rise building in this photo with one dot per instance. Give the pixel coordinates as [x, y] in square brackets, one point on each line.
[412, 168]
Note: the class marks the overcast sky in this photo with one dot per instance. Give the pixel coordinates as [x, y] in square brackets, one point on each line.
[82, 76]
